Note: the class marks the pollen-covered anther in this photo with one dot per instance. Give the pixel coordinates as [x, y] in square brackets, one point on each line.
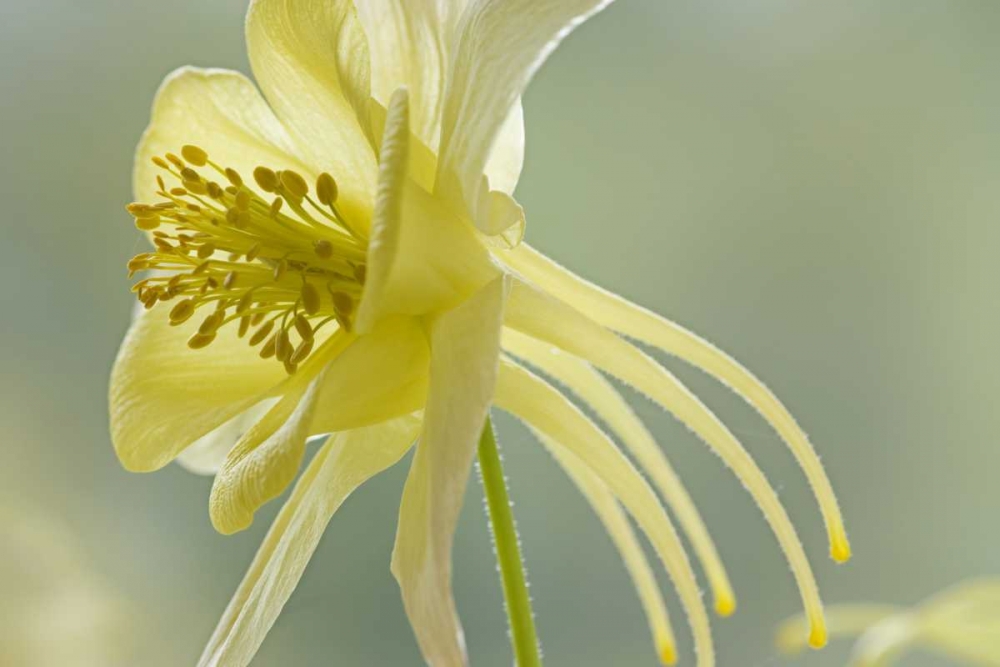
[326, 189]
[247, 260]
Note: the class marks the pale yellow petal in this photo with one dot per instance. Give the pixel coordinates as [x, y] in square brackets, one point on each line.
[345, 462]
[267, 457]
[544, 317]
[223, 113]
[503, 43]
[412, 46]
[165, 396]
[421, 258]
[465, 345]
[627, 318]
[311, 60]
[543, 408]
[616, 524]
[382, 375]
[206, 454]
[580, 378]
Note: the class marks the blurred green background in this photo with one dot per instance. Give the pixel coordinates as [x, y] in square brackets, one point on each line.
[812, 186]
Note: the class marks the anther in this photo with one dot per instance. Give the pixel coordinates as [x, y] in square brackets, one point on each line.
[230, 279]
[267, 351]
[189, 174]
[323, 249]
[342, 303]
[276, 206]
[211, 323]
[290, 368]
[234, 178]
[243, 200]
[206, 251]
[294, 184]
[200, 340]
[326, 189]
[253, 252]
[266, 179]
[194, 155]
[176, 161]
[244, 326]
[282, 346]
[279, 269]
[182, 312]
[147, 224]
[303, 327]
[160, 162]
[261, 333]
[301, 352]
[310, 298]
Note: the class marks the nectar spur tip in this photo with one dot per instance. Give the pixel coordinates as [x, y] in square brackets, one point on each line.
[840, 548]
[725, 605]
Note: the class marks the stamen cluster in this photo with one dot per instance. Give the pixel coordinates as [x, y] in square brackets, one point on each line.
[277, 260]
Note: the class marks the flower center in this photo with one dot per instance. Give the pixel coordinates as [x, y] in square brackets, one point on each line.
[278, 262]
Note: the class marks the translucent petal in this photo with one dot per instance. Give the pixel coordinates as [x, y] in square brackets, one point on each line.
[165, 396]
[223, 113]
[580, 378]
[627, 318]
[311, 60]
[503, 43]
[465, 344]
[266, 459]
[345, 462]
[382, 375]
[543, 408]
[421, 258]
[544, 317]
[616, 523]
[206, 454]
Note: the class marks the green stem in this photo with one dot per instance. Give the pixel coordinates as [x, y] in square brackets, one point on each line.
[515, 587]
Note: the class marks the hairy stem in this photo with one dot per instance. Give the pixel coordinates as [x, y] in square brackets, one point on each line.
[523, 637]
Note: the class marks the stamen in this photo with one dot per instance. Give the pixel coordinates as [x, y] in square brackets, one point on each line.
[251, 262]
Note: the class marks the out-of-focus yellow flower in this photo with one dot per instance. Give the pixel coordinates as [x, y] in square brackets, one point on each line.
[962, 622]
[343, 255]
[56, 611]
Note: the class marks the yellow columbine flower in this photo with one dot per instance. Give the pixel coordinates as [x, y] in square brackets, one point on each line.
[962, 622]
[342, 256]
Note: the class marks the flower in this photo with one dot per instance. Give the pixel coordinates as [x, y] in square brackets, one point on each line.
[962, 622]
[343, 256]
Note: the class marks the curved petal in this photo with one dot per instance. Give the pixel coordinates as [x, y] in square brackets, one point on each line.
[421, 258]
[267, 457]
[465, 346]
[222, 112]
[581, 378]
[616, 524]
[503, 43]
[412, 46]
[382, 375]
[206, 455]
[310, 58]
[544, 317]
[543, 408]
[627, 318]
[343, 464]
[165, 396]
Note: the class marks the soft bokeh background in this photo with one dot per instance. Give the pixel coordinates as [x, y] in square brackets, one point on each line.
[813, 186]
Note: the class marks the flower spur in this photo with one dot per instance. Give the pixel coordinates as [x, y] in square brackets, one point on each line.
[343, 256]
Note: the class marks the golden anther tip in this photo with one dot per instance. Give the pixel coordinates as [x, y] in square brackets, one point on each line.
[160, 162]
[303, 327]
[840, 548]
[282, 346]
[342, 303]
[323, 249]
[176, 161]
[725, 606]
[668, 654]
[266, 179]
[326, 189]
[261, 333]
[194, 155]
[230, 279]
[279, 269]
[147, 224]
[294, 184]
[181, 312]
[243, 200]
[200, 340]
[301, 352]
[196, 187]
[206, 251]
[310, 298]
[244, 326]
[276, 206]
[233, 177]
[189, 174]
